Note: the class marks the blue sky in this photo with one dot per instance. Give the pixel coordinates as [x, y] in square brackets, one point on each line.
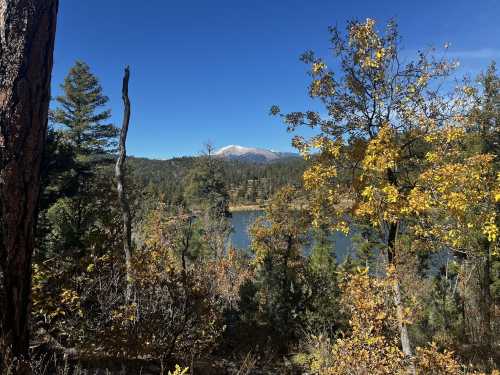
[210, 70]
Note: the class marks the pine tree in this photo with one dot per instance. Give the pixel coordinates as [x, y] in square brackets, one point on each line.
[278, 241]
[206, 191]
[206, 186]
[80, 120]
[323, 309]
[26, 48]
[81, 115]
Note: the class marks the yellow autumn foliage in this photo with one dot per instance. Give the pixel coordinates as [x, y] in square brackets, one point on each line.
[372, 345]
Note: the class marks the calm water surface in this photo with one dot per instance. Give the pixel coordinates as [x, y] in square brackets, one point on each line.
[240, 239]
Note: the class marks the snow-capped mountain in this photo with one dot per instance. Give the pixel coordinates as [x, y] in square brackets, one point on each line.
[251, 154]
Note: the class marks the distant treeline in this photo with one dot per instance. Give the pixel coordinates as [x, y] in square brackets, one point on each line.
[246, 182]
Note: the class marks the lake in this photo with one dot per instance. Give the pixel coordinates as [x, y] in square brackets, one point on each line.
[240, 239]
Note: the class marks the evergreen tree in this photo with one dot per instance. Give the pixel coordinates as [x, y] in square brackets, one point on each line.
[79, 123]
[82, 116]
[323, 315]
[207, 193]
[206, 186]
[80, 129]
[485, 279]
[278, 241]
[486, 113]
[322, 257]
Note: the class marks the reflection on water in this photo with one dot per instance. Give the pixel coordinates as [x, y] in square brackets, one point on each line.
[240, 239]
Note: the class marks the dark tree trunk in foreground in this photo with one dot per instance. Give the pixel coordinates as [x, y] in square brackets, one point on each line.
[27, 29]
[120, 183]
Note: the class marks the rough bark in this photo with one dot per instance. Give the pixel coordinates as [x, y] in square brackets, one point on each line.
[27, 30]
[120, 184]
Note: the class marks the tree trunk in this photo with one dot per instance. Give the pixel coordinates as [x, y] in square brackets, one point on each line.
[120, 185]
[391, 255]
[403, 329]
[27, 30]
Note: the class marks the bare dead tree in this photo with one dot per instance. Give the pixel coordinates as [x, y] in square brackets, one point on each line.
[27, 30]
[120, 184]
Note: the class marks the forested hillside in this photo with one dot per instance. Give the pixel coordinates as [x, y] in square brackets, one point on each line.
[247, 183]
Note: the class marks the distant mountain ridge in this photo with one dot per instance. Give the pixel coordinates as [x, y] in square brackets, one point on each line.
[252, 154]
